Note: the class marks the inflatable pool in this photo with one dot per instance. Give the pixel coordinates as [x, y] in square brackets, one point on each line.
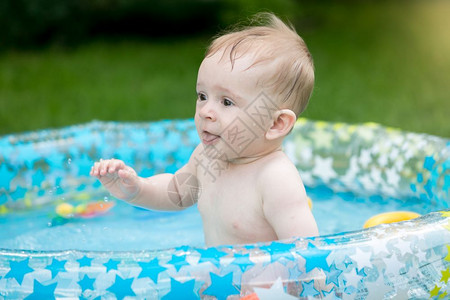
[41, 170]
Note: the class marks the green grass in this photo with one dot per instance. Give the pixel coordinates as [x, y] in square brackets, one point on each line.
[104, 81]
[385, 63]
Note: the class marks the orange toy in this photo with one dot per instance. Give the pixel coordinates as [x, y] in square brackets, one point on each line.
[96, 208]
[252, 296]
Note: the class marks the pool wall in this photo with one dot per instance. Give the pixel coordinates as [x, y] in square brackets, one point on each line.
[405, 260]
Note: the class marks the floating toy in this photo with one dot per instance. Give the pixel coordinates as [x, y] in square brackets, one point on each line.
[252, 296]
[89, 210]
[390, 217]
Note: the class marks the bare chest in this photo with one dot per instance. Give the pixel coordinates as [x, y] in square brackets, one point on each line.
[231, 210]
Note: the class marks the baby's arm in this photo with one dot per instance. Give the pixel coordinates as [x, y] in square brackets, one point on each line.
[161, 192]
[285, 204]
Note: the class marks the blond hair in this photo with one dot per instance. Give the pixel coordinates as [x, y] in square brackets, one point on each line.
[272, 39]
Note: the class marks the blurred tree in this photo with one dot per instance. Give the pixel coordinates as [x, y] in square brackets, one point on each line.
[39, 22]
[233, 11]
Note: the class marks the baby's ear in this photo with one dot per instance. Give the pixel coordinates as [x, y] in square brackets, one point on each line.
[283, 122]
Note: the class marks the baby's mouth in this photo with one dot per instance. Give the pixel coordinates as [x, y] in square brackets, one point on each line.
[209, 138]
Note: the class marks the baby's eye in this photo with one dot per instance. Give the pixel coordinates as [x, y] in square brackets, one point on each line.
[201, 97]
[227, 102]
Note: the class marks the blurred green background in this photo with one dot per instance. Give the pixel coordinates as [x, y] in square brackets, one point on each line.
[73, 61]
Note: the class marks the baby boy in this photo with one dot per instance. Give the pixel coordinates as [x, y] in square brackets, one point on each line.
[251, 86]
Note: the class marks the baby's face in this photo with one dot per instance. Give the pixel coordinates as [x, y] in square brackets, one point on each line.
[233, 110]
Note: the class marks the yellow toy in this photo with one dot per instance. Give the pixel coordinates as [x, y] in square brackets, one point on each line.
[390, 217]
[64, 210]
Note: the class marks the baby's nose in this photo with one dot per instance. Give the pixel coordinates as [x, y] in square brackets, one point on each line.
[207, 111]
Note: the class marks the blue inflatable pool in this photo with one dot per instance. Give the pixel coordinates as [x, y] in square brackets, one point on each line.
[406, 260]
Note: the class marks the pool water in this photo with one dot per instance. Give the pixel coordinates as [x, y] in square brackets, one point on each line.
[126, 228]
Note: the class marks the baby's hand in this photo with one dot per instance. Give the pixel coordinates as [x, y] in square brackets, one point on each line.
[119, 179]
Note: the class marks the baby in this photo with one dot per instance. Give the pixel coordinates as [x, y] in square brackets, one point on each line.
[251, 86]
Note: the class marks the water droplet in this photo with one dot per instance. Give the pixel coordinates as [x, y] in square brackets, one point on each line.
[69, 161]
[106, 199]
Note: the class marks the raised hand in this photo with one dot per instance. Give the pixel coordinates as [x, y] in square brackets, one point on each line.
[119, 179]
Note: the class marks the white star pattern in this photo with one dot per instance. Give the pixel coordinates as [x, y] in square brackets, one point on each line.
[393, 155]
[362, 258]
[365, 158]
[382, 160]
[367, 182]
[393, 266]
[421, 255]
[352, 278]
[352, 171]
[306, 154]
[323, 167]
[392, 177]
[388, 190]
[399, 164]
[403, 246]
[276, 291]
[408, 153]
[375, 174]
[379, 246]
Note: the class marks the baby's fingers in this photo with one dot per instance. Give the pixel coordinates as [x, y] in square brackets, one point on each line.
[113, 166]
[104, 167]
[95, 170]
[109, 166]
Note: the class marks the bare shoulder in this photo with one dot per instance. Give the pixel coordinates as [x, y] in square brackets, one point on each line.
[279, 168]
[279, 182]
[284, 200]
